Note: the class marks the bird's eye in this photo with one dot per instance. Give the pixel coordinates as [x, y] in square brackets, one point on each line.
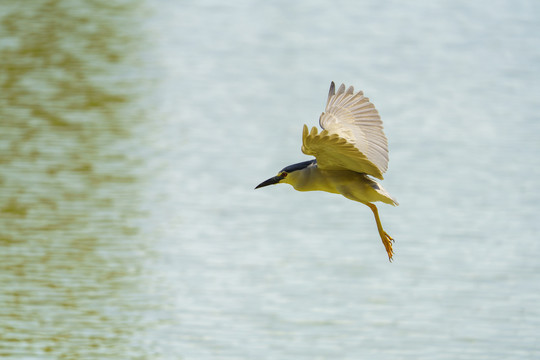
[283, 174]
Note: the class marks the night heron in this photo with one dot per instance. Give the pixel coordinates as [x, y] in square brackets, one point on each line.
[349, 150]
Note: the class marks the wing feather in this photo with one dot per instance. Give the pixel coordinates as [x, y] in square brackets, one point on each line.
[333, 152]
[352, 136]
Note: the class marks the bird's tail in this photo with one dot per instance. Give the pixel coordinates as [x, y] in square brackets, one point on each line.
[385, 195]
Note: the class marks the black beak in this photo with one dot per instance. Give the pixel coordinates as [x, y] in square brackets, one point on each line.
[270, 181]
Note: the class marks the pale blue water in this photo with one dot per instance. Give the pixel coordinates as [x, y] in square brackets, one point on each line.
[132, 135]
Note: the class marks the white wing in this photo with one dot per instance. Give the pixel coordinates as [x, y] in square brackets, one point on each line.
[352, 136]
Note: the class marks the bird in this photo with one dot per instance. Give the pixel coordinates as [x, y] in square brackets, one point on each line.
[350, 151]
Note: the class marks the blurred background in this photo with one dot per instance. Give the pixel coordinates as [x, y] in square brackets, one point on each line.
[132, 134]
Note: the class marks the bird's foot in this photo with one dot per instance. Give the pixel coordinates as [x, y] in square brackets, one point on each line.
[387, 242]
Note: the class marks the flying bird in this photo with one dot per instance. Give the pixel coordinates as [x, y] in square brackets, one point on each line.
[350, 150]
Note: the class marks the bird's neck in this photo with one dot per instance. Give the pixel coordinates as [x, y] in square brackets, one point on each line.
[309, 179]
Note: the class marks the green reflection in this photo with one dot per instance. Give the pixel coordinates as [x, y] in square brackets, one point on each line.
[70, 86]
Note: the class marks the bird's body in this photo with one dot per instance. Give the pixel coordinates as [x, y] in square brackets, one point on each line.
[351, 148]
[351, 184]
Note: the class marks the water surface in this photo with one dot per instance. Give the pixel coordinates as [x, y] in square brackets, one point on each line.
[132, 135]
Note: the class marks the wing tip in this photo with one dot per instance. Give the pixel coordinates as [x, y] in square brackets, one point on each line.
[331, 92]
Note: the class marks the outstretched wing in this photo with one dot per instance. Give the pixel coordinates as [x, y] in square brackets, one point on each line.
[333, 152]
[352, 136]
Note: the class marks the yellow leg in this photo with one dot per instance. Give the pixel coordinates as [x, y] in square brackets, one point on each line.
[386, 239]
